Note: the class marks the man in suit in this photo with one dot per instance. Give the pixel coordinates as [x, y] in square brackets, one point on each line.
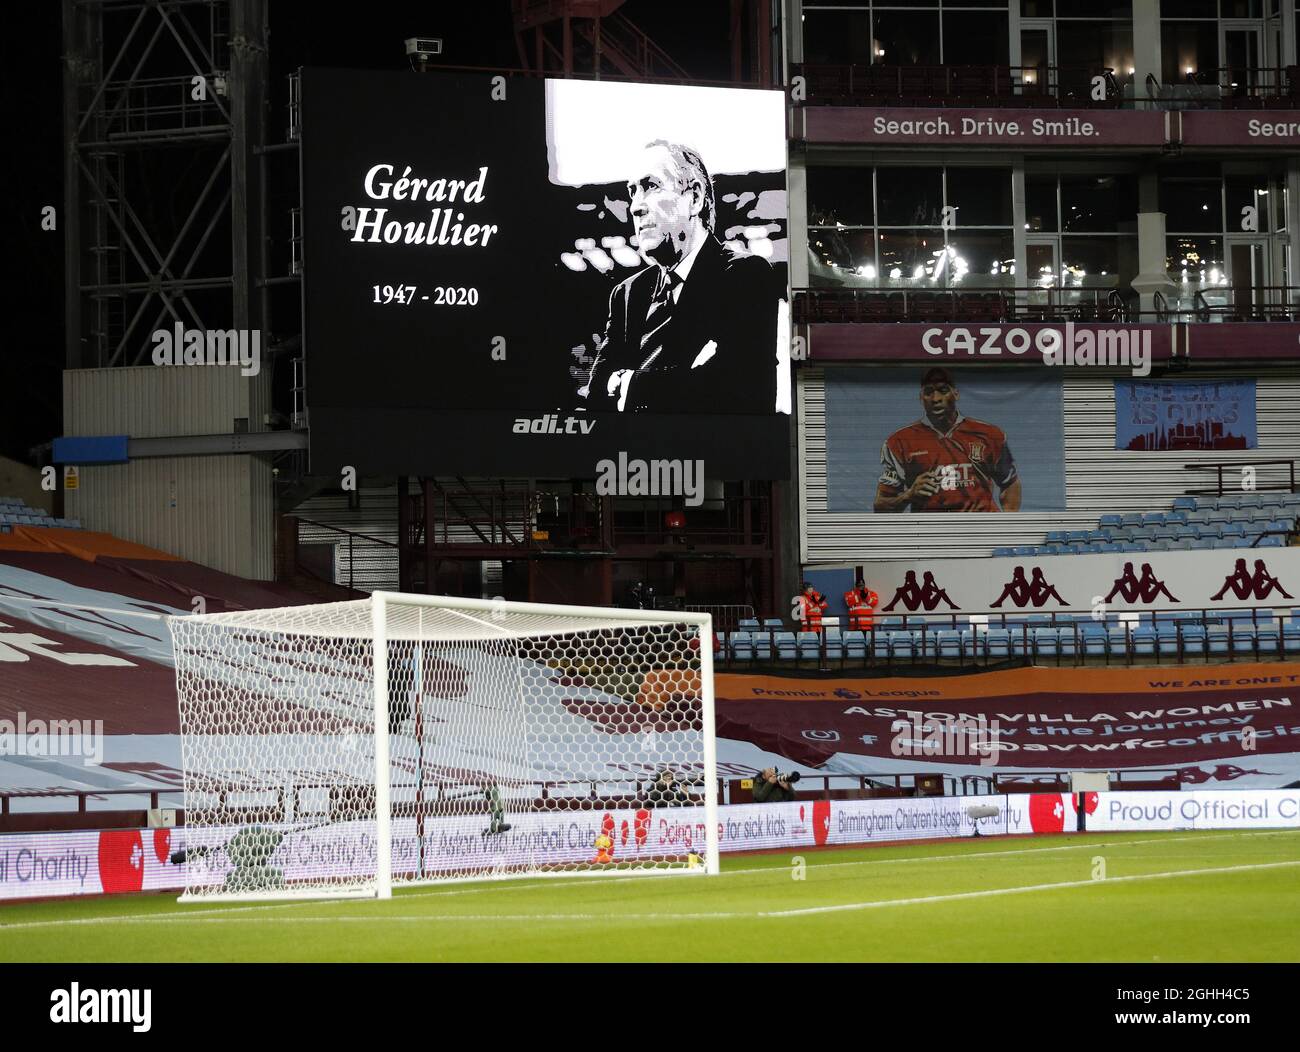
[696, 330]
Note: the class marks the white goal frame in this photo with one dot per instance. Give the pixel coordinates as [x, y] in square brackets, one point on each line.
[381, 603]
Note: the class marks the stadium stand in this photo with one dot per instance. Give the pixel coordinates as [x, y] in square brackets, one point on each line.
[15, 512]
[1060, 639]
[1245, 520]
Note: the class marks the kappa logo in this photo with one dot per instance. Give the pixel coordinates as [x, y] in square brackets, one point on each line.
[1245, 585]
[925, 596]
[1022, 592]
[1129, 587]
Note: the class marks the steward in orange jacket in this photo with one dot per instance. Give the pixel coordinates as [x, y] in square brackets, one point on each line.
[812, 604]
[861, 602]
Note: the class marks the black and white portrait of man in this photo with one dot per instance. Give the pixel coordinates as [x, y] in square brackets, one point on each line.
[701, 323]
[696, 328]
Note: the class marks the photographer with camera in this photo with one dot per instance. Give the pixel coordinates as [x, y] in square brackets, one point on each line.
[773, 787]
[667, 791]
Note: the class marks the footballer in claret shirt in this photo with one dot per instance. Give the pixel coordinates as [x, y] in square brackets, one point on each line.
[946, 462]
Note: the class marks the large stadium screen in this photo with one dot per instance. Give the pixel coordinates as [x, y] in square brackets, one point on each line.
[514, 276]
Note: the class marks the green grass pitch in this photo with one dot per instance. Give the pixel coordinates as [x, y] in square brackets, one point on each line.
[1183, 896]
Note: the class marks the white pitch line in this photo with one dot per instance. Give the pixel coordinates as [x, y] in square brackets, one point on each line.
[958, 896]
[380, 918]
[586, 882]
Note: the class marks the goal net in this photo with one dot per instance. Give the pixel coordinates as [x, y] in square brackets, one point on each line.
[342, 748]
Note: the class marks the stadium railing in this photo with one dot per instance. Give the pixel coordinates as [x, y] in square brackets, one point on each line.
[20, 820]
[1208, 635]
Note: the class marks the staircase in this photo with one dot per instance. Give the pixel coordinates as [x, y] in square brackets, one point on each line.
[608, 40]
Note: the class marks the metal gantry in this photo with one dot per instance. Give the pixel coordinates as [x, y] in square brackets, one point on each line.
[164, 104]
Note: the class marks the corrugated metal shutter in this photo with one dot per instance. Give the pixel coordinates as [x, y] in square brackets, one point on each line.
[1098, 478]
[215, 510]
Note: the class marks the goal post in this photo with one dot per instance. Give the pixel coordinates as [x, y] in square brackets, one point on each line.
[343, 749]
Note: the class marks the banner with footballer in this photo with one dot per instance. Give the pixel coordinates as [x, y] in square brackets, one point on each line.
[932, 439]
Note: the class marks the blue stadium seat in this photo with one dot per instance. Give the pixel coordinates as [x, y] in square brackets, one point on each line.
[809, 646]
[1271, 542]
[1051, 549]
[950, 643]
[1134, 546]
[1184, 503]
[1193, 636]
[1105, 520]
[763, 645]
[1131, 519]
[1243, 637]
[1175, 518]
[775, 624]
[748, 624]
[1184, 529]
[1045, 642]
[1092, 638]
[892, 621]
[1000, 553]
[1057, 537]
[1166, 533]
[1266, 637]
[998, 642]
[855, 645]
[1112, 547]
[1291, 637]
[903, 644]
[1153, 518]
[1224, 542]
[1077, 536]
[1217, 638]
[1144, 640]
[742, 646]
[1219, 516]
[786, 647]
[1242, 514]
[1234, 529]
